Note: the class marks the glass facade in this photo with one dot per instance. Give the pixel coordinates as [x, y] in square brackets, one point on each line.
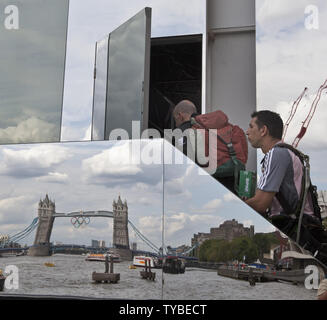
[100, 89]
[126, 91]
[33, 48]
[129, 46]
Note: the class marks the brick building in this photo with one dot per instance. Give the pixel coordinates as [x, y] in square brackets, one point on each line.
[228, 230]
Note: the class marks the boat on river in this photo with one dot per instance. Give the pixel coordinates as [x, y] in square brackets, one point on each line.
[102, 257]
[139, 261]
[174, 265]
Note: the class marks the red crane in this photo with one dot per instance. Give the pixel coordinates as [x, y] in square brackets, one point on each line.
[293, 111]
[312, 111]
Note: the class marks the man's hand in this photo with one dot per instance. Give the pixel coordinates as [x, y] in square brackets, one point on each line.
[261, 201]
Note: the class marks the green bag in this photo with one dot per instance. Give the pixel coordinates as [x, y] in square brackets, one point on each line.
[247, 184]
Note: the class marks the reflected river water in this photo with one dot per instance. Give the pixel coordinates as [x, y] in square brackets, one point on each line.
[72, 276]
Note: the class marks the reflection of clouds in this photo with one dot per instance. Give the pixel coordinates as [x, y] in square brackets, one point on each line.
[32, 161]
[74, 133]
[247, 223]
[31, 72]
[213, 205]
[43, 166]
[175, 186]
[189, 224]
[228, 197]
[30, 130]
[176, 225]
[121, 164]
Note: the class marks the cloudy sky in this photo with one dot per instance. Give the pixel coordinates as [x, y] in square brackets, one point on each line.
[291, 56]
[89, 176]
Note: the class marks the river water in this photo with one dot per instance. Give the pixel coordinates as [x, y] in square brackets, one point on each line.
[72, 276]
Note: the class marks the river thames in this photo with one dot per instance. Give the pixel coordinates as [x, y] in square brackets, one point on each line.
[72, 276]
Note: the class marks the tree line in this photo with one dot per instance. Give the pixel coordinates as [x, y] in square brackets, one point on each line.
[253, 248]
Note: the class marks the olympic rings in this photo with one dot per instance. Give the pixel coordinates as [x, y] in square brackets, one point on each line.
[80, 221]
[4, 238]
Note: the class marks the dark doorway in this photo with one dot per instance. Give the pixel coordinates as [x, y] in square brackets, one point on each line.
[175, 74]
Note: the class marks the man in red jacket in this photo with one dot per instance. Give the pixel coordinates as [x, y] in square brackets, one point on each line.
[228, 153]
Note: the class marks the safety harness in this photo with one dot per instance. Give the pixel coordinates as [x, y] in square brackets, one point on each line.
[313, 234]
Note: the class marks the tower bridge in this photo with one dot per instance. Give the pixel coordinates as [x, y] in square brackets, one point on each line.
[47, 215]
[43, 224]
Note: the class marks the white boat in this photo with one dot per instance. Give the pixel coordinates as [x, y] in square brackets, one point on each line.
[139, 261]
[102, 257]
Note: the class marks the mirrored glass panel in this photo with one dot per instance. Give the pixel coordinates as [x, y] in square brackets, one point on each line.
[128, 74]
[291, 80]
[100, 89]
[218, 248]
[64, 206]
[33, 45]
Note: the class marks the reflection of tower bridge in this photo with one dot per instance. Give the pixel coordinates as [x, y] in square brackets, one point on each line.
[45, 220]
[47, 214]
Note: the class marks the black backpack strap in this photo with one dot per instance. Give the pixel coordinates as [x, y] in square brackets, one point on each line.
[285, 205]
[312, 190]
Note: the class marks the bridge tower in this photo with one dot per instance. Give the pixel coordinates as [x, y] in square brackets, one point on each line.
[41, 246]
[120, 234]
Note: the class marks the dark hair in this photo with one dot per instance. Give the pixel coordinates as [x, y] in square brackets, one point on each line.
[271, 120]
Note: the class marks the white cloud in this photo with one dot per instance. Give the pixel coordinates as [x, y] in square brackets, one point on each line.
[116, 161]
[228, 197]
[276, 15]
[213, 205]
[75, 133]
[10, 203]
[189, 223]
[314, 138]
[179, 226]
[175, 186]
[247, 223]
[16, 209]
[145, 201]
[54, 177]
[32, 161]
[87, 135]
[151, 227]
[30, 130]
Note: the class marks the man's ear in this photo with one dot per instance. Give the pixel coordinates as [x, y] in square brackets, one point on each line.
[264, 131]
